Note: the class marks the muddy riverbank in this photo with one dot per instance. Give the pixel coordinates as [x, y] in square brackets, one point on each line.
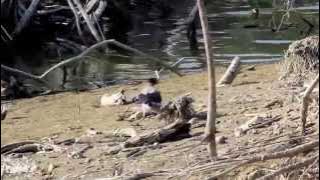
[71, 115]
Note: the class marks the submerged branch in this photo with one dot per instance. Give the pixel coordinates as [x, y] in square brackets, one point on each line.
[82, 55]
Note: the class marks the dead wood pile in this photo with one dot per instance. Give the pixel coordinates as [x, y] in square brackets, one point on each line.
[302, 59]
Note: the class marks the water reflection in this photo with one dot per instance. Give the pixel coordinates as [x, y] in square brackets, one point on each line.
[163, 37]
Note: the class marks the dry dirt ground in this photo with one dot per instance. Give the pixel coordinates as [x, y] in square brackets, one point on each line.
[71, 115]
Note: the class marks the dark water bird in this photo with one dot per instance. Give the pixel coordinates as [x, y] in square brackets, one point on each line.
[149, 98]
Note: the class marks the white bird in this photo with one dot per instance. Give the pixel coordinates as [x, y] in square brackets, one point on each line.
[114, 99]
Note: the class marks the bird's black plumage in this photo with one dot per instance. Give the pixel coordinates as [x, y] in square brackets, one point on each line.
[149, 95]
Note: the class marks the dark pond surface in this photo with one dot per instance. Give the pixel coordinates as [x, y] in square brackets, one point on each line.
[163, 39]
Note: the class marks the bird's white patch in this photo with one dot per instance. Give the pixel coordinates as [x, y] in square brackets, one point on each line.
[112, 100]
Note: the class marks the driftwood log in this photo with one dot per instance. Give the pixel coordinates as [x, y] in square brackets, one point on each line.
[25, 147]
[10, 147]
[160, 135]
[231, 72]
[180, 110]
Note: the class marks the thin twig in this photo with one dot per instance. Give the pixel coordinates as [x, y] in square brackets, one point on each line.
[305, 103]
[290, 168]
[287, 153]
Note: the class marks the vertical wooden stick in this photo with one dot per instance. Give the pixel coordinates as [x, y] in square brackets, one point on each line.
[305, 103]
[210, 129]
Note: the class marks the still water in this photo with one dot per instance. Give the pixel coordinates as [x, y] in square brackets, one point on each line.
[164, 39]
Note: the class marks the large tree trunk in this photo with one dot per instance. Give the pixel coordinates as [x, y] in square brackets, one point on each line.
[211, 118]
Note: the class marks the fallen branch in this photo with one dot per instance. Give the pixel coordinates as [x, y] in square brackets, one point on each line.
[33, 148]
[273, 103]
[305, 103]
[302, 164]
[254, 123]
[180, 110]
[24, 74]
[231, 72]
[79, 153]
[137, 176]
[141, 176]
[10, 147]
[160, 135]
[282, 154]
